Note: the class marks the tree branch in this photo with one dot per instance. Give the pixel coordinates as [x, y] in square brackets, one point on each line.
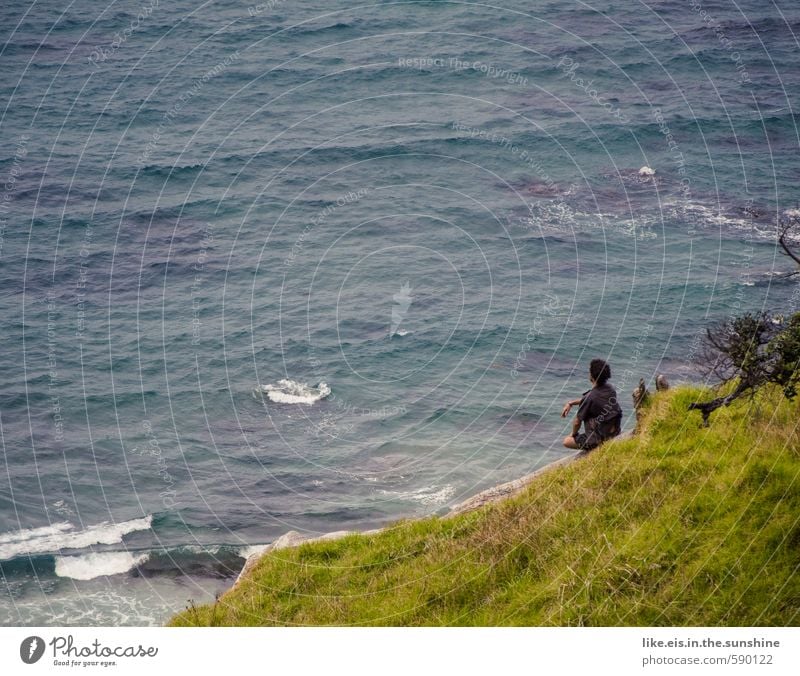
[785, 245]
[708, 407]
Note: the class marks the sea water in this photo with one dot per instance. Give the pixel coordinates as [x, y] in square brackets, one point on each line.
[319, 266]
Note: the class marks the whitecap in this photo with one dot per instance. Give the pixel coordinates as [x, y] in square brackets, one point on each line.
[291, 392]
[428, 495]
[62, 509]
[97, 564]
[647, 171]
[63, 536]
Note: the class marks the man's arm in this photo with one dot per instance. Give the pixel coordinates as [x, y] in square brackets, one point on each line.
[576, 426]
[569, 405]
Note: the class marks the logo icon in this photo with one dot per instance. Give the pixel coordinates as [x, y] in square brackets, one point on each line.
[402, 301]
[31, 649]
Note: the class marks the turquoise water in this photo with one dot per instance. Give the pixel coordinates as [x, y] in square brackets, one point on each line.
[317, 267]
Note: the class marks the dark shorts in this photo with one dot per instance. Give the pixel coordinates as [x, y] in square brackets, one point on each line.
[587, 442]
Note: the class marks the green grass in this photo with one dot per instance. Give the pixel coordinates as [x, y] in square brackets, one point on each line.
[681, 525]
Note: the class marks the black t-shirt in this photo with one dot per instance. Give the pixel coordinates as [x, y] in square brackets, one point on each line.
[600, 411]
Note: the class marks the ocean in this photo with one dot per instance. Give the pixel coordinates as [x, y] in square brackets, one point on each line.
[317, 267]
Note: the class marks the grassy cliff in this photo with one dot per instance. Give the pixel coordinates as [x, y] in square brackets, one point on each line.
[681, 525]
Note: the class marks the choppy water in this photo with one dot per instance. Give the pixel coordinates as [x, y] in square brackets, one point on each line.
[316, 267]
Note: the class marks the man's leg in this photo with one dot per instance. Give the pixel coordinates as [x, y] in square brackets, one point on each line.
[570, 442]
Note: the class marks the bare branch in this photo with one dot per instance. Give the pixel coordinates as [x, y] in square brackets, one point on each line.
[708, 407]
[785, 245]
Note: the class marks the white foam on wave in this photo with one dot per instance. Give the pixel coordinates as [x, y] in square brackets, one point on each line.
[428, 495]
[60, 536]
[252, 550]
[97, 564]
[710, 216]
[647, 171]
[562, 219]
[291, 392]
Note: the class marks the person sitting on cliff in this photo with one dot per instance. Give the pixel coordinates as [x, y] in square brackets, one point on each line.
[598, 410]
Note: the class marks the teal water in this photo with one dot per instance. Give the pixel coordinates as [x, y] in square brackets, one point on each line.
[318, 267]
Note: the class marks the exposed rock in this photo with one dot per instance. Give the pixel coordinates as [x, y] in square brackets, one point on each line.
[250, 561]
[290, 539]
[640, 395]
[662, 383]
[335, 535]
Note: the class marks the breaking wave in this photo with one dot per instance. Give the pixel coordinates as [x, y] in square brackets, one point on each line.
[97, 564]
[291, 392]
[63, 536]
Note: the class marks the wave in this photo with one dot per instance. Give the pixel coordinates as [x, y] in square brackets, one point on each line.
[316, 30]
[208, 561]
[97, 564]
[428, 495]
[173, 171]
[291, 392]
[60, 536]
[197, 561]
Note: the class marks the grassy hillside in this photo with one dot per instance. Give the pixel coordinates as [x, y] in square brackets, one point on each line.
[681, 525]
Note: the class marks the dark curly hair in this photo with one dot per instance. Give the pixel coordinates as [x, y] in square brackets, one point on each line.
[600, 371]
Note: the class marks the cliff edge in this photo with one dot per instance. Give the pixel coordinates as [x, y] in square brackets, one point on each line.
[679, 525]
